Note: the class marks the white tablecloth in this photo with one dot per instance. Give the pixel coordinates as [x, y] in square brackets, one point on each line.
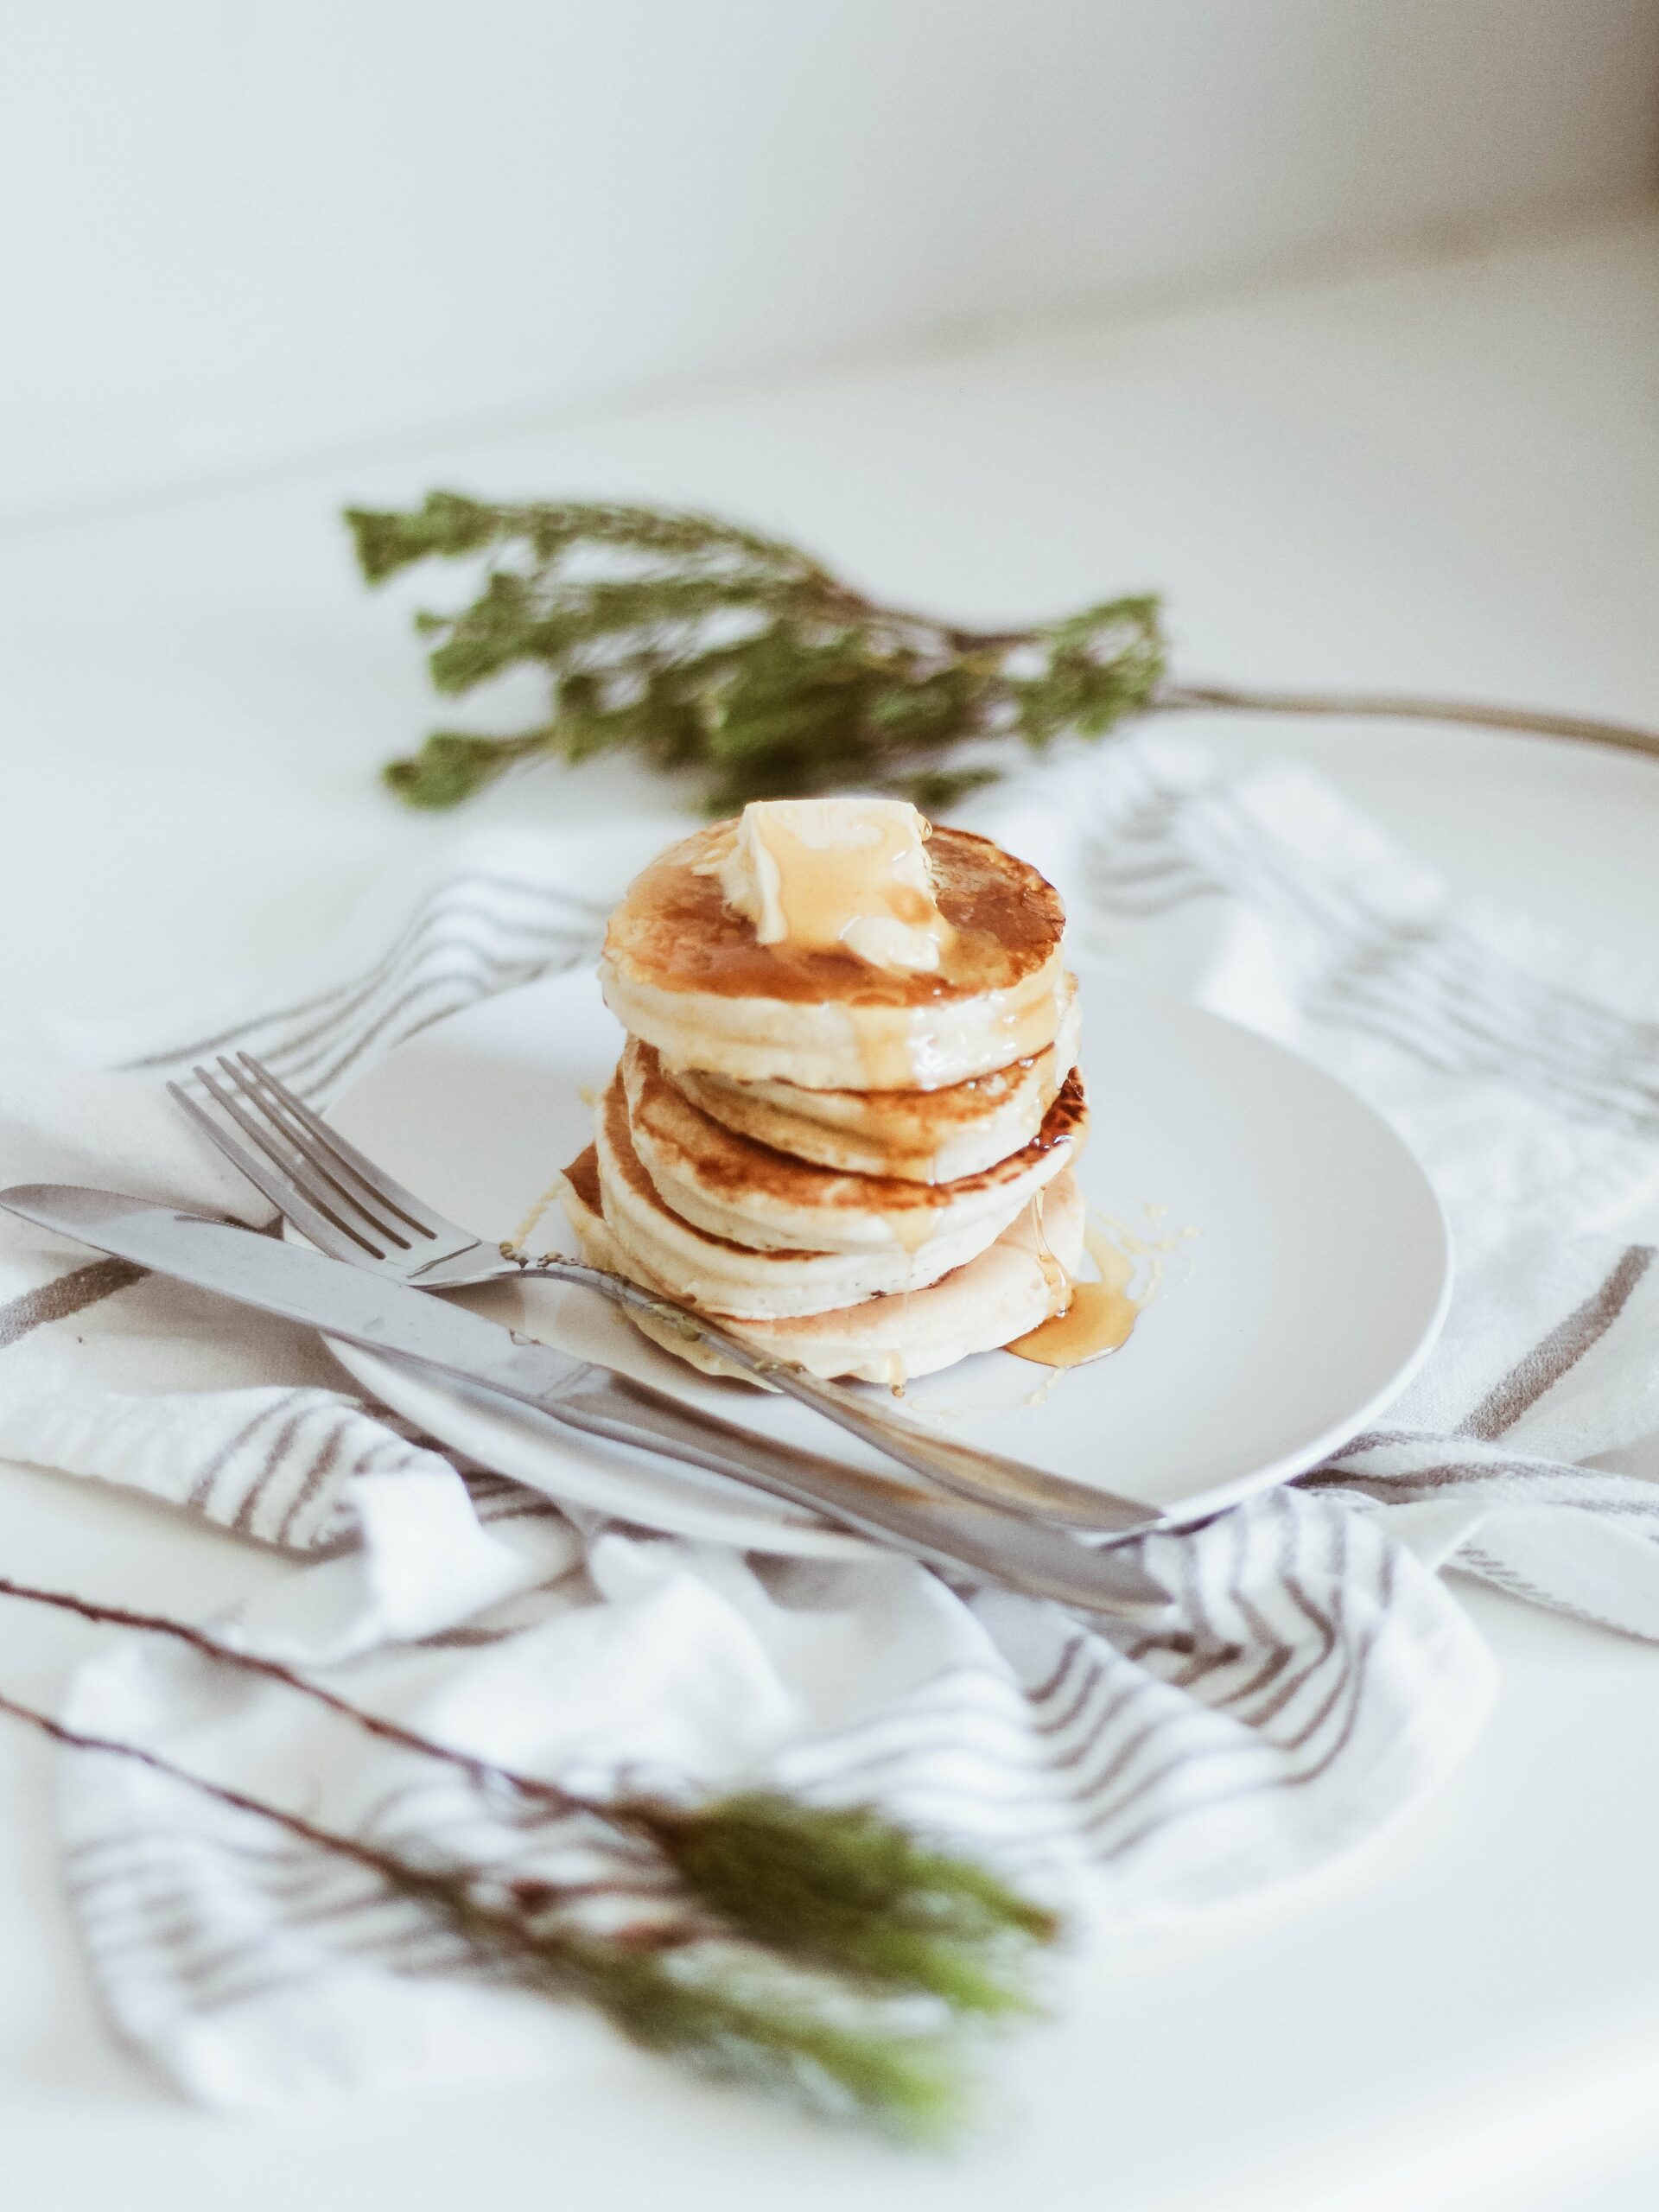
[1440, 478]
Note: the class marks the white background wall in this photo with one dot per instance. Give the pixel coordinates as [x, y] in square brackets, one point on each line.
[237, 233]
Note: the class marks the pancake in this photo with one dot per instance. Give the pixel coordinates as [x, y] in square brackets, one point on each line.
[726, 1277]
[998, 1295]
[921, 1136]
[732, 1187]
[685, 973]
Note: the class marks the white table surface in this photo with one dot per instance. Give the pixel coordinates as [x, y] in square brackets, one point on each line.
[1443, 477]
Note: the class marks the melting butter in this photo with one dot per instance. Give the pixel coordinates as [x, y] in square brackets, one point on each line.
[837, 875]
[912, 1226]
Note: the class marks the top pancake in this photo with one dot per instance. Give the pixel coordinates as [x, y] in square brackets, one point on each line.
[685, 973]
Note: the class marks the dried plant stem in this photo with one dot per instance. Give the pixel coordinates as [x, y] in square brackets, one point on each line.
[1384, 706]
[379, 1862]
[252, 1662]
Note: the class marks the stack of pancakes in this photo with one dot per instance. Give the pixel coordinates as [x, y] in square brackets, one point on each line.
[864, 1171]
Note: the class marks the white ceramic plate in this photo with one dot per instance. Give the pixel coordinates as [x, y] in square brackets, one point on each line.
[1307, 1267]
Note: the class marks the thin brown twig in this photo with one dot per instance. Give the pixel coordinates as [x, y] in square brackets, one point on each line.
[872, 1940]
[1385, 706]
[480, 1770]
[499, 1932]
[847, 600]
[381, 1863]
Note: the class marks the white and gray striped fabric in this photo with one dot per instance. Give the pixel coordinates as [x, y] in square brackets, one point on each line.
[1316, 1674]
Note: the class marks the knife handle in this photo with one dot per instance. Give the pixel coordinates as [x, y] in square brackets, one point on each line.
[1028, 1555]
[968, 1471]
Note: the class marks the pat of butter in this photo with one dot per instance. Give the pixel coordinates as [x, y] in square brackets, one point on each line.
[837, 875]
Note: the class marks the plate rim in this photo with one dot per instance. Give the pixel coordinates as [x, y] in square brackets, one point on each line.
[803, 1536]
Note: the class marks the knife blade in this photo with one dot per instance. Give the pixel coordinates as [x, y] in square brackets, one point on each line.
[329, 1295]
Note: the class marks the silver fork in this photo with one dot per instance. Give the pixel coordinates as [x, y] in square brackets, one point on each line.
[339, 1200]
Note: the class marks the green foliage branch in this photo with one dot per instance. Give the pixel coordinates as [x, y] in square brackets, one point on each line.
[824, 1952]
[715, 650]
[707, 647]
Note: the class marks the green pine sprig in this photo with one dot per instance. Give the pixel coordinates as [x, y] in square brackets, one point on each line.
[708, 648]
[848, 2046]
[825, 1952]
[843, 1888]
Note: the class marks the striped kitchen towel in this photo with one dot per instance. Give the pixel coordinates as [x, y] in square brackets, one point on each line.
[1315, 1674]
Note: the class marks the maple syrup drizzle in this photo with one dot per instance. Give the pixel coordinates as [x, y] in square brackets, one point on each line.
[1056, 1279]
[1085, 1320]
[1098, 1320]
[883, 1035]
[520, 1237]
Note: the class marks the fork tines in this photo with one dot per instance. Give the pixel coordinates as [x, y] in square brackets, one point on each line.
[322, 1182]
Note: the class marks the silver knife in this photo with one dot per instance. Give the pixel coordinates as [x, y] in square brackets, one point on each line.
[342, 1302]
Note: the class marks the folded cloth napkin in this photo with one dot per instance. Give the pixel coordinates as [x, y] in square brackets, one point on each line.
[1316, 1674]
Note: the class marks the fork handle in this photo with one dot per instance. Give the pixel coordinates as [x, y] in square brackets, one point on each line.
[945, 1532]
[965, 1470]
